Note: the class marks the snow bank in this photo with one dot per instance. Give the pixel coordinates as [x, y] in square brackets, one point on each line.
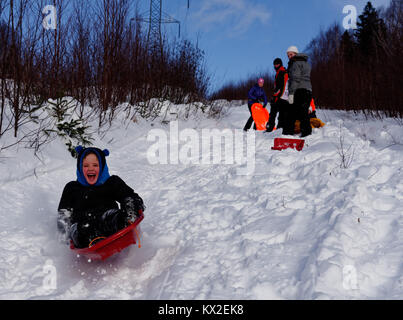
[300, 227]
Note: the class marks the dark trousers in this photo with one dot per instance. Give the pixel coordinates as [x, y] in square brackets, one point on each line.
[279, 108]
[289, 119]
[97, 225]
[250, 120]
[299, 111]
[303, 99]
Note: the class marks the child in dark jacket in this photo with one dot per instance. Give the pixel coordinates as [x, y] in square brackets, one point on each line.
[89, 208]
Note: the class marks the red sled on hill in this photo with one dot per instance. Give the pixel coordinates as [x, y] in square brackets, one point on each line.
[115, 243]
[284, 143]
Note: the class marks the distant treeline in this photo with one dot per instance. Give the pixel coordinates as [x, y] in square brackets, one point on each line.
[239, 90]
[98, 54]
[359, 69]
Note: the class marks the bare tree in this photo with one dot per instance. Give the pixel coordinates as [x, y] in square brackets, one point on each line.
[96, 54]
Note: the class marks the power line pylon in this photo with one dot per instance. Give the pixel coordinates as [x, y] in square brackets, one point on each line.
[156, 17]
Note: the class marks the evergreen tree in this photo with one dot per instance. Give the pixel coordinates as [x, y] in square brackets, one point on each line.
[347, 46]
[370, 29]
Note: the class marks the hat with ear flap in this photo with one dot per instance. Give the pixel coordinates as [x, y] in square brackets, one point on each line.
[103, 167]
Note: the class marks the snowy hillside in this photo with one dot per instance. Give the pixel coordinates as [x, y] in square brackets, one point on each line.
[302, 225]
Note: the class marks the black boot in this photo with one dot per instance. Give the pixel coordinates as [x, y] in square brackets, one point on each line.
[83, 234]
[112, 221]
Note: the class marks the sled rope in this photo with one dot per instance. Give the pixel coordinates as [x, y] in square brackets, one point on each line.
[90, 245]
[137, 236]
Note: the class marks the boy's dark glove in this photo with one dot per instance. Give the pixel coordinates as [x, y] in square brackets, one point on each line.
[133, 206]
[64, 225]
[112, 221]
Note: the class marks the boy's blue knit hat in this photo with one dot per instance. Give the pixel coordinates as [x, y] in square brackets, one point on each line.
[103, 167]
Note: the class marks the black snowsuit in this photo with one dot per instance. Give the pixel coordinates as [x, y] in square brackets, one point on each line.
[90, 212]
[86, 211]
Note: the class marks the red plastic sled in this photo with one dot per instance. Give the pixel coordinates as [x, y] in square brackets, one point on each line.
[260, 115]
[112, 244]
[284, 143]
